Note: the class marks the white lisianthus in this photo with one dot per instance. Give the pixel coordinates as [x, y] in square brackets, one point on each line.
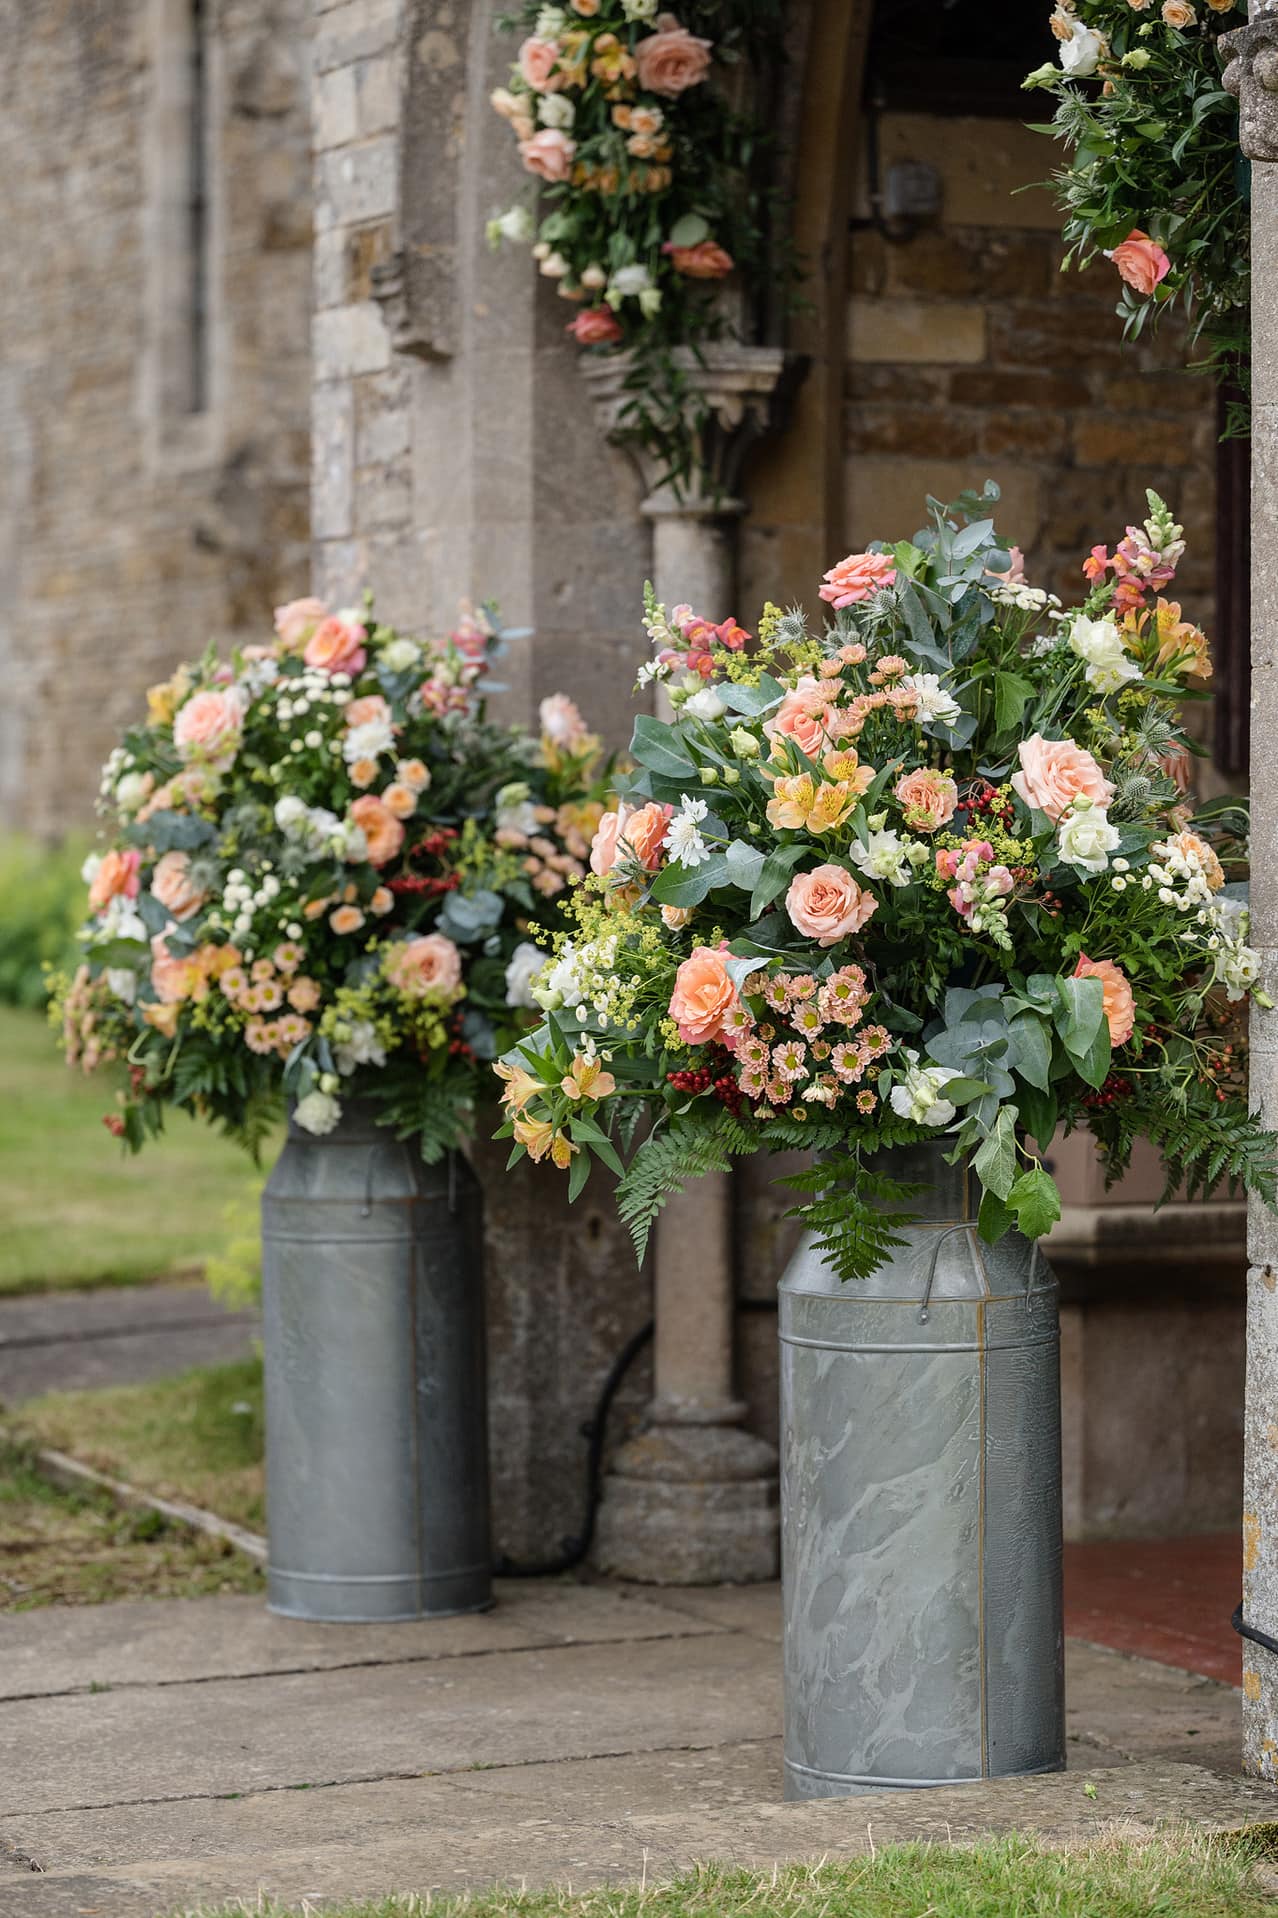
[1238, 968]
[556, 110]
[89, 870]
[651, 671]
[744, 744]
[123, 983]
[593, 277]
[554, 266]
[526, 961]
[550, 21]
[650, 302]
[360, 1047]
[705, 705]
[369, 741]
[884, 855]
[628, 282]
[131, 791]
[933, 702]
[683, 841]
[918, 1096]
[120, 920]
[1085, 837]
[640, 9]
[517, 814]
[401, 655]
[1082, 53]
[317, 1113]
[1098, 642]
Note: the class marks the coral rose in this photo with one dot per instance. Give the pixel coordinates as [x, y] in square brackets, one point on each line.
[172, 979]
[117, 873]
[644, 831]
[928, 798]
[705, 261]
[1141, 261]
[548, 154]
[346, 919]
[171, 884]
[703, 996]
[1120, 1005]
[337, 646]
[827, 905]
[1056, 772]
[595, 326]
[208, 727]
[804, 717]
[856, 577]
[297, 621]
[671, 60]
[423, 966]
[382, 831]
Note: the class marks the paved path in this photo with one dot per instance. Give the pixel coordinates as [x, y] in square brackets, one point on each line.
[151, 1754]
[118, 1335]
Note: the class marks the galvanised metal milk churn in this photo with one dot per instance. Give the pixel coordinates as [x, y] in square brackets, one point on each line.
[921, 1506]
[376, 1437]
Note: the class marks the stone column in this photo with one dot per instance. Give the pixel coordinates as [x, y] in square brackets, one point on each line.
[692, 1499]
[1253, 75]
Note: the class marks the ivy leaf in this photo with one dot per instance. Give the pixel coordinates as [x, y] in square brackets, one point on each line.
[995, 1161]
[1035, 1201]
[1039, 1112]
[993, 1219]
[1012, 695]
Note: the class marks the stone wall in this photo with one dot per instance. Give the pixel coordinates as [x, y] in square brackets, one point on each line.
[140, 518]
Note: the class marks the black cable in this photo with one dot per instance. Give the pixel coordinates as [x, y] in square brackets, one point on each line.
[1256, 1636]
[595, 1429]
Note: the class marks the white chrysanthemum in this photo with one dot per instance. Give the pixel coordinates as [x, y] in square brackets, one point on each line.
[526, 961]
[369, 741]
[683, 841]
[932, 700]
[318, 1113]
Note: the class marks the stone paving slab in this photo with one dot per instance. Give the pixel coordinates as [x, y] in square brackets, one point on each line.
[1133, 1708]
[114, 1335]
[182, 1641]
[654, 1845]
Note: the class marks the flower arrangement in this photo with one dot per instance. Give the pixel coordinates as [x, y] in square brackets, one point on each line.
[648, 172]
[927, 873]
[1155, 181]
[325, 869]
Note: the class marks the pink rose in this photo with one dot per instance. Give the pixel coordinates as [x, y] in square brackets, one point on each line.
[548, 154]
[297, 621]
[561, 721]
[1054, 773]
[671, 60]
[418, 967]
[171, 884]
[856, 577]
[928, 798]
[803, 716]
[827, 905]
[1141, 261]
[208, 727]
[705, 261]
[1120, 1002]
[595, 326]
[364, 712]
[383, 833]
[117, 874]
[537, 60]
[703, 996]
[337, 646]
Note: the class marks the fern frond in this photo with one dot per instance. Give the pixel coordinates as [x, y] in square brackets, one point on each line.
[856, 1215]
[668, 1161]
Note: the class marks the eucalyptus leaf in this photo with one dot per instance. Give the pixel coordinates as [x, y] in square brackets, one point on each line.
[657, 745]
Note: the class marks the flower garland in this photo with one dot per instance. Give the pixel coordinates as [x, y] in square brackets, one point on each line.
[1155, 180]
[649, 174]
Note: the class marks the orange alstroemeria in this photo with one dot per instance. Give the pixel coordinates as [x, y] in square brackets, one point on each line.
[520, 1086]
[535, 1136]
[587, 1079]
[791, 802]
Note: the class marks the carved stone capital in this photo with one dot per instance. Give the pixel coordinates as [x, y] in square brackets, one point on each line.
[1251, 73]
[411, 309]
[735, 394]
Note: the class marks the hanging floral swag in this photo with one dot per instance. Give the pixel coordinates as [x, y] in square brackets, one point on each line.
[649, 183]
[1155, 180]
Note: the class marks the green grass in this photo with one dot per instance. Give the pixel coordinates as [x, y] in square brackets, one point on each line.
[62, 1547]
[75, 1208]
[1179, 1876]
[197, 1437]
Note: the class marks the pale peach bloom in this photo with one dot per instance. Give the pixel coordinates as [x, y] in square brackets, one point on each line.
[117, 874]
[647, 120]
[1120, 1005]
[1015, 573]
[364, 712]
[1056, 772]
[346, 919]
[1178, 13]
[603, 847]
[1140, 260]
[162, 1016]
[288, 957]
[928, 799]
[399, 800]
[1177, 764]
[537, 59]
[171, 884]
[381, 829]
[316, 908]
[804, 715]
[644, 832]
[561, 722]
[297, 621]
[856, 577]
[382, 901]
[208, 726]
[172, 978]
[1192, 847]
[827, 904]
[414, 774]
[520, 1085]
[304, 995]
[430, 964]
[703, 996]
[337, 646]
[675, 918]
[535, 1136]
[548, 154]
[363, 773]
[671, 60]
[587, 1078]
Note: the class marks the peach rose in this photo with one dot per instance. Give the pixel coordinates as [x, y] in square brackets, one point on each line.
[172, 979]
[346, 919]
[548, 154]
[117, 873]
[337, 646]
[1054, 773]
[705, 261]
[595, 326]
[208, 727]
[1178, 13]
[171, 884]
[297, 621]
[536, 59]
[603, 847]
[1140, 260]
[399, 800]
[827, 905]
[671, 60]
[363, 772]
[644, 831]
[856, 577]
[703, 996]
[803, 716]
[414, 774]
[367, 711]
[928, 798]
[418, 967]
[1120, 1005]
[380, 828]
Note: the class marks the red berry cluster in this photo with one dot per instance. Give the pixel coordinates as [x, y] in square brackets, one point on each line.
[457, 1047]
[430, 888]
[114, 1124]
[435, 842]
[137, 1078]
[988, 802]
[716, 1077]
[698, 1081]
[1114, 1089]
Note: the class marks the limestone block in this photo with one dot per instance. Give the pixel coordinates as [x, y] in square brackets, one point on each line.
[328, 268]
[355, 31]
[355, 183]
[377, 94]
[940, 332]
[382, 417]
[886, 499]
[982, 164]
[340, 570]
[383, 497]
[346, 340]
[336, 121]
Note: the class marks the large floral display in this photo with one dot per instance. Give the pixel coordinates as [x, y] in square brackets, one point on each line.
[325, 870]
[927, 871]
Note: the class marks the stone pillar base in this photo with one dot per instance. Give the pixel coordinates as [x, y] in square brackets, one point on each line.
[690, 1505]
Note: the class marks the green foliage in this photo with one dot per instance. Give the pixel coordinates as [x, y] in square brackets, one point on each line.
[670, 1160]
[434, 1109]
[855, 1213]
[41, 905]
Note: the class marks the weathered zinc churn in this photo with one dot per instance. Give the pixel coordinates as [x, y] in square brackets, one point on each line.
[376, 1436]
[921, 1506]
